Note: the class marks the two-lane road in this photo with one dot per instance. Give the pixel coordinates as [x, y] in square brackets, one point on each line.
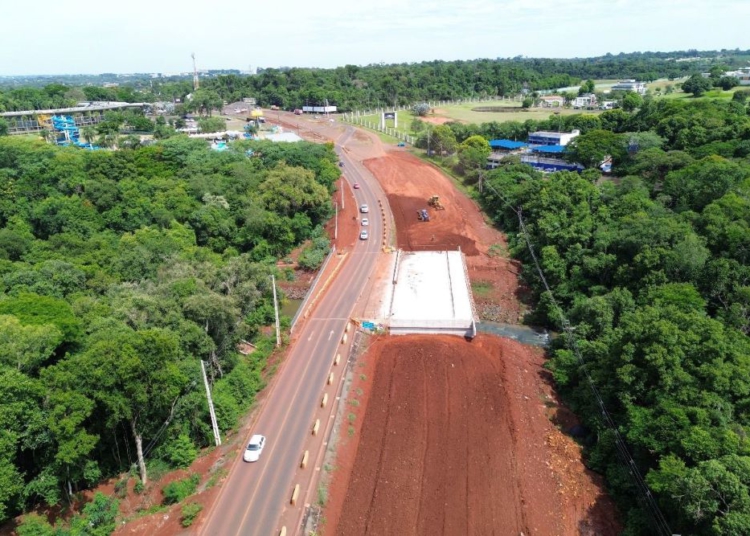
[253, 496]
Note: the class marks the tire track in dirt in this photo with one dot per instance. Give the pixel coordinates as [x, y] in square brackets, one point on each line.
[378, 468]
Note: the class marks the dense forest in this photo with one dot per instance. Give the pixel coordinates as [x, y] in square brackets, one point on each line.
[653, 272]
[119, 271]
[357, 87]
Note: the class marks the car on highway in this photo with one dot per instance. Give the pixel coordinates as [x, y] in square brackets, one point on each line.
[365, 221]
[254, 448]
[364, 235]
[364, 209]
[355, 186]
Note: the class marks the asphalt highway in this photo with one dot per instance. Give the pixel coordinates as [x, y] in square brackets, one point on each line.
[254, 494]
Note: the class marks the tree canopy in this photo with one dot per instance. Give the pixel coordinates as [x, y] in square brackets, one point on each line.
[653, 272]
[119, 271]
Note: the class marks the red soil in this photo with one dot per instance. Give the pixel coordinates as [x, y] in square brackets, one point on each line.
[457, 439]
[348, 226]
[408, 182]
[437, 120]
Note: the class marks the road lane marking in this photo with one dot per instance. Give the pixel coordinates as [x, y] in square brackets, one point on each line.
[311, 335]
[330, 335]
[275, 443]
[357, 273]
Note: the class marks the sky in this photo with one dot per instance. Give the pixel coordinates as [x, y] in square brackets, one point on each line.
[65, 37]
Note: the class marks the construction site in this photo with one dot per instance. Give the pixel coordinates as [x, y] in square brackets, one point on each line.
[453, 435]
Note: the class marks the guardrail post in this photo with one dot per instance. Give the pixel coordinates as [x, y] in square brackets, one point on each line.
[295, 495]
[316, 427]
[305, 457]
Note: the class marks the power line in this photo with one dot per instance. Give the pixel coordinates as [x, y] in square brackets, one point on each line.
[645, 494]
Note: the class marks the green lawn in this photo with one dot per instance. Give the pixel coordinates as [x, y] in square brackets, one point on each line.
[464, 113]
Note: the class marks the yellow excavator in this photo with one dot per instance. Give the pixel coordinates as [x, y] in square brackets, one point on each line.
[435, 203]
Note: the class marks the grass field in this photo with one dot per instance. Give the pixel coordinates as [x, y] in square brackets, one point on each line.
[464, 113]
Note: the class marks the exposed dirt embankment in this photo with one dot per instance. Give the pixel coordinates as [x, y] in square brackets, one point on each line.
[457, 439]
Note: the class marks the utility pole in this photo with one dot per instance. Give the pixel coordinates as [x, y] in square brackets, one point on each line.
[214, 423]
[342, 193]
[336, 227]
[276, 311]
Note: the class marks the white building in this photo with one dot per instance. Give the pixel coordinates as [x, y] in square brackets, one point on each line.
[742, 75]
[584, 101]
[543, 137]
[552, 101]
[630, 85]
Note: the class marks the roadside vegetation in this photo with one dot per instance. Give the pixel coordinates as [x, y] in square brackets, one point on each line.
[119, 272]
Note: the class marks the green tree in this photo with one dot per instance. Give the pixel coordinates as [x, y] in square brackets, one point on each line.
[631, 101]
[288, 190]
[697, 85]
[443, 140]
[26, 348]
[212, 124]
[136, 378]
[700, 183]
[591, 148]
[473, 153]
[587, 87]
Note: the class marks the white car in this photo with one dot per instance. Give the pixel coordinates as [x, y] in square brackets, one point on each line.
[365, 221]
[364, 235]
[254, 448]
[364, 209]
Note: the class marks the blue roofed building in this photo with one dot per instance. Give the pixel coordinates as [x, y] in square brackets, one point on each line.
[544, 151]
[503, 148]
[507, 145]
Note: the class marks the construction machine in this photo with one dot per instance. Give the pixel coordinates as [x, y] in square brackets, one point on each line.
[435, 203]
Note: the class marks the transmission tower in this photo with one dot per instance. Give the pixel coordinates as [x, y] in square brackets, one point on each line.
[196, 83]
